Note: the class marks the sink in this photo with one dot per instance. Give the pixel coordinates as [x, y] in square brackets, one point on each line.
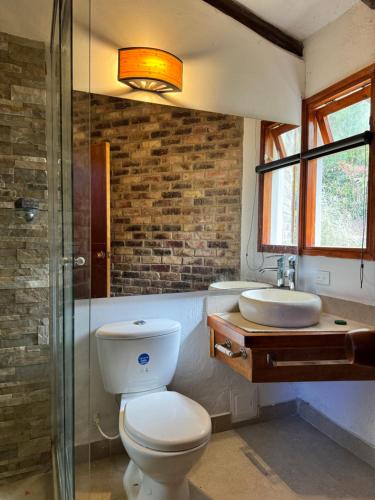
[238, 285]
[280, 308]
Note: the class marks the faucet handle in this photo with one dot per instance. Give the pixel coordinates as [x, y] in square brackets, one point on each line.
[292, 261]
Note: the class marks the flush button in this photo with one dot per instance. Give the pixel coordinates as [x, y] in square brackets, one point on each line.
[139, 322]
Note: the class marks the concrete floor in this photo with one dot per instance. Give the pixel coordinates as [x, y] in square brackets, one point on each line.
[283, 459]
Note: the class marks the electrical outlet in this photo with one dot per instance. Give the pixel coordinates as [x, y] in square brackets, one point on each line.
[323, 278]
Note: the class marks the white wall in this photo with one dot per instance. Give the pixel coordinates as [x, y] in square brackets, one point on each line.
[198, 376]
[340, 48]
[207, 381]
[227, 67]
[336, 51]
[333, 53]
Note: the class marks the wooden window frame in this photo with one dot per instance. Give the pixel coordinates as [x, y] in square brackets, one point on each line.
[264, 202]
[315, 109]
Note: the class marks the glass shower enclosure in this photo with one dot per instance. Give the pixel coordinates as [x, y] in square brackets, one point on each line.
[61, 253]
[39, 263]
[70, 259]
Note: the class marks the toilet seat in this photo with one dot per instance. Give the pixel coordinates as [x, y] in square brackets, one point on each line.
[167, 421]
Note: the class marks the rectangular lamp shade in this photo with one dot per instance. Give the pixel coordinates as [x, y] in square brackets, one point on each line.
[150, 69]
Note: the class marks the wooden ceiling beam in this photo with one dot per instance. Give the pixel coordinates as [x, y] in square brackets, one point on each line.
[369, 3]
[245, 16]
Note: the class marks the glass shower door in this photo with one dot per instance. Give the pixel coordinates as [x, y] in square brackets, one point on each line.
[61, 245]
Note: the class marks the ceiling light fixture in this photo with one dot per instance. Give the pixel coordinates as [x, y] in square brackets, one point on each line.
[154, 70]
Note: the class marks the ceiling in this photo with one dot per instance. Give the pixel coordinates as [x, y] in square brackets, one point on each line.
[222, 58]
[228, 68]
[299, 18]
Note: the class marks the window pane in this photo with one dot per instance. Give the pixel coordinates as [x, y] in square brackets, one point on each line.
[279, 144]
[292, 141]
[283, 211]
[350, 121]
[271, 153]
[341, 198]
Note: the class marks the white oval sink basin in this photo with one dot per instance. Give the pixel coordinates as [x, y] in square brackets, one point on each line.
[238, 285]
[280, 308]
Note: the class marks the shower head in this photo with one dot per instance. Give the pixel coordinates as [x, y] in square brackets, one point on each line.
[27, 208]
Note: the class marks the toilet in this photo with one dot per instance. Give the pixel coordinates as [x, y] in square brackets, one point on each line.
[163, 432]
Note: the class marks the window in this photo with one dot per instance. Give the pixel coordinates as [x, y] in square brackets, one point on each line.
[280, 188]
[336, 186]
[333, 175]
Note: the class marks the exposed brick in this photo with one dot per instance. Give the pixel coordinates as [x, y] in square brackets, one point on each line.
[175, 192]
[24, 299]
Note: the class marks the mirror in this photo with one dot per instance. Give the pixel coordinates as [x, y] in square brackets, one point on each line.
[171, 176]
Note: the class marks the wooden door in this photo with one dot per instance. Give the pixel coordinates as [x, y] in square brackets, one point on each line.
[100, 220]
[91, 218]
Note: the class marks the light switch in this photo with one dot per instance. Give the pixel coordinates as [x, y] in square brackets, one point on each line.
[323, 278]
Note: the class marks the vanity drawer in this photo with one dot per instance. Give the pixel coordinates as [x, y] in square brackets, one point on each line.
[231, 351]
[287, 356]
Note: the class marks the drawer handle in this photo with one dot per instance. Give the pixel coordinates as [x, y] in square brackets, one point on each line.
[318, 362]
[226, 349]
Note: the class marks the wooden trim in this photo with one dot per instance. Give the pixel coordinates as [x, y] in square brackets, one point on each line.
[342, 253]
[107, 147]
[266, 208]
[310, 197]
[305, 124]
[265, 29]
[279, 144]
[344, 102]
[341, 88]
[263, 128]
[266, 248]
[324, 128]
[309, 187]
[260, 213]
[270, 131]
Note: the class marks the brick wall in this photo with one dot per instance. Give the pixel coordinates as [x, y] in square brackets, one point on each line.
[176, 177]
[24, 350]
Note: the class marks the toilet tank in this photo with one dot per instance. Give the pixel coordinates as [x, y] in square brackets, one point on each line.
[139, 355]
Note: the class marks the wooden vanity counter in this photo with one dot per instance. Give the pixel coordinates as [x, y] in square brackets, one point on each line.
[284, 355]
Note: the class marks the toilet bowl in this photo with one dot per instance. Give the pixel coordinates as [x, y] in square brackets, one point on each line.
[163, 432]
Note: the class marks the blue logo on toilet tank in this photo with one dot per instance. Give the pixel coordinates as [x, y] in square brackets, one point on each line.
[143, 358]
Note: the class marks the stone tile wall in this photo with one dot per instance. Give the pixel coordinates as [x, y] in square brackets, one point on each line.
[176, 177]
[24, 351]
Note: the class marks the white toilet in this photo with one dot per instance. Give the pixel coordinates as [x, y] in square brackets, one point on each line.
[164, 433]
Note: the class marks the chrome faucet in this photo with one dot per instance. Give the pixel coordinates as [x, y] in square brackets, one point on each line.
[292, 272]
[280, 269]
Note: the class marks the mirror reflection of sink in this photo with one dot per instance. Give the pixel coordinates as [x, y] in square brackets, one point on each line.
[238, 285]
[280, 308]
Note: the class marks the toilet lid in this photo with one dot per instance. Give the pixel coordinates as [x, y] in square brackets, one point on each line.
[167, 421]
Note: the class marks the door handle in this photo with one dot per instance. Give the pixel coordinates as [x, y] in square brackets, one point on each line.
[79, 261]
[100, 254]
